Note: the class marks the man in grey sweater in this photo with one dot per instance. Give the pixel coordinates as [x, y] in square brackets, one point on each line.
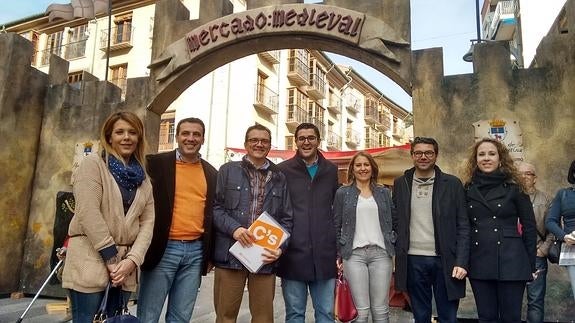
[432, 247]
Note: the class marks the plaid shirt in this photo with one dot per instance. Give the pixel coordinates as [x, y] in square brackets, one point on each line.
[259, 177]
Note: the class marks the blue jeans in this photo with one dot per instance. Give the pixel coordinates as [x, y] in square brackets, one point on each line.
[295, 299]
[536, 293]
[368, 271]
[178, 277]
[424, 275]
[85, 305]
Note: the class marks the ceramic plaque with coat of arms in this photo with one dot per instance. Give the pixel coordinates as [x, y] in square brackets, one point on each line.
[504, 130]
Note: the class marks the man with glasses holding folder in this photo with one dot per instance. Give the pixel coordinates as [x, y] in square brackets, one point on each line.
[244, 190]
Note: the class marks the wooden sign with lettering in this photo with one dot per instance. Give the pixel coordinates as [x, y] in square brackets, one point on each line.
[345, 25]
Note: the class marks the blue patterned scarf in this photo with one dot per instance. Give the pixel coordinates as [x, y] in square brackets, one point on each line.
[127, 176]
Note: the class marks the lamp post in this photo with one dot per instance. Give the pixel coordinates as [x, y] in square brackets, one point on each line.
[468, 57]
[109, 39]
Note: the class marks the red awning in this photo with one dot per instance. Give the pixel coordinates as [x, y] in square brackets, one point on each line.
[392, 161]
[331, 155]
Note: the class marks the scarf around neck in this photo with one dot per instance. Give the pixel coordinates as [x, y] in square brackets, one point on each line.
[487, 181]
[127, 176]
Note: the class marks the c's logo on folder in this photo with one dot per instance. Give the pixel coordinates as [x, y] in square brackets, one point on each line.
[266, 235]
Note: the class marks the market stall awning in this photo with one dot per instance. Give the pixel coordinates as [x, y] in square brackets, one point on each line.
[392, 161]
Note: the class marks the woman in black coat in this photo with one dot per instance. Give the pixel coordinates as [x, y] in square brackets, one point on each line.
[503, 233]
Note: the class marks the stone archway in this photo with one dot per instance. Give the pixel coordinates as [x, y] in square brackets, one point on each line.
[381, 39]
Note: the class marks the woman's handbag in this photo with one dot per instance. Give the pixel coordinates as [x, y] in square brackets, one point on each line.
[554, 251]
[122, 315]
[344, 308]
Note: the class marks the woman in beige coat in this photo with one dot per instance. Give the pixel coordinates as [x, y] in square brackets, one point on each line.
[113, 223]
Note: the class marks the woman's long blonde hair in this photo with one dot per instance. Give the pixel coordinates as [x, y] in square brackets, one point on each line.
[134, 121]
[506, 163]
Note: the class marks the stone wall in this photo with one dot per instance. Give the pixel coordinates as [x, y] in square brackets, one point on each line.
[21, 108]
[541, 99]
[42, 119]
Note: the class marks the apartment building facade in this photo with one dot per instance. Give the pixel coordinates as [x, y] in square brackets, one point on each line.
[279, 89]
[522, 23]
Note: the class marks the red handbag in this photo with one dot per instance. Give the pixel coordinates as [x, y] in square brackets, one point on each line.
[344, 308]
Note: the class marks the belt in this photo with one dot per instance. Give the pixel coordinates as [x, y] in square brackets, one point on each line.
[186, 241]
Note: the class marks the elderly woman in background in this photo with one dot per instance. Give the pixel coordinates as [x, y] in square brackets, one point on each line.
[501, 259]
[563, 210]
[113, 223]
[365, 240]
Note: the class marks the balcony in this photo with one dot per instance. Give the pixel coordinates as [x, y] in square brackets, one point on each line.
[333, 141]
[121, 38]
[270, 56]
[68, 51]
[486, 23]
[398, 133]
[319, 124]
[75, 50]
[352, 103]
[298, 71]
[265, 100]
[334, 104]
[295, 116]
[384, 121]
[45, 54]
[352, 137]
[316, 88]
[371, 114]
[371, 138]
[503, 24]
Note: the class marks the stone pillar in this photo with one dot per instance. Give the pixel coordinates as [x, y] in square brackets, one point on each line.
[21, 108]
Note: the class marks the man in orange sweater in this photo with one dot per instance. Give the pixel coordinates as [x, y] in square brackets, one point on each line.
[184, 186]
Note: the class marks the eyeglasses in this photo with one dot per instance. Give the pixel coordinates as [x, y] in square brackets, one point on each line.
[428, 154]
[255, 141]
[308, 138]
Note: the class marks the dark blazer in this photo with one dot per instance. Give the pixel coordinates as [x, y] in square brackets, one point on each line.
[498, 251]
[162, 171]
[313, 236]
[450, 223]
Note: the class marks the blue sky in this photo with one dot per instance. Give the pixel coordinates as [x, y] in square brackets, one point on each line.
[434, 23]
[13, 10]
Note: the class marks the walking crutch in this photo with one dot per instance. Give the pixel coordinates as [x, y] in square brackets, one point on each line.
[40, 290]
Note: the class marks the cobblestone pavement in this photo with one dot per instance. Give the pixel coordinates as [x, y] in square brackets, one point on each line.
[12, 309]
